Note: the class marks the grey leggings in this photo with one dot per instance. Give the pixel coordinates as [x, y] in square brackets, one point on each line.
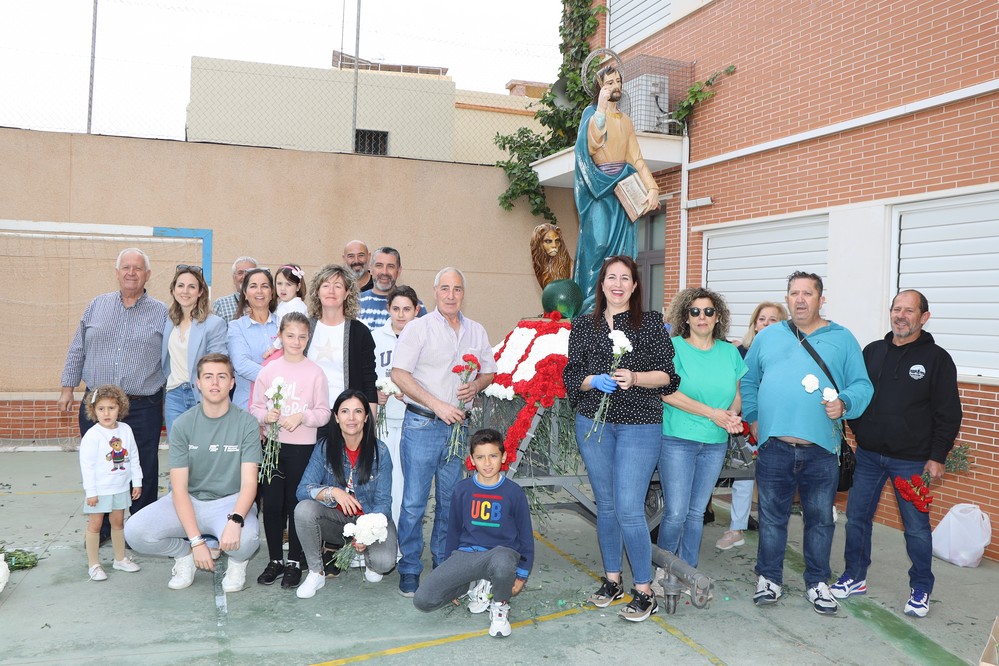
[156, 529]
[452, 577]
[316, 522]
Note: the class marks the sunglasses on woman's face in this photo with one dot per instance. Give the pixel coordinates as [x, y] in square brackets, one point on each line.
[696, 312]
[183, 268]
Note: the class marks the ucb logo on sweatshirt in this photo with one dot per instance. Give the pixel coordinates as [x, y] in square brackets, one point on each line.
[486, 510]
[917, 372]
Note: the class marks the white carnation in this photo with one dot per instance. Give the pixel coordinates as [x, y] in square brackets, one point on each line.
[369, 528]
[620, 342]
[387, 386]
[269, 393]
[278, 383]
[811, 383]
[829, 394]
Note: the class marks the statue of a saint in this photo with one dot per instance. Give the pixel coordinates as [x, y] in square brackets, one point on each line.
[606, 152]
[549, 254]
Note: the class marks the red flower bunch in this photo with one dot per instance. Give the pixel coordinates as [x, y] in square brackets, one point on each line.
[470, 365]
[555, 315]
[464, 371]
[914, 490]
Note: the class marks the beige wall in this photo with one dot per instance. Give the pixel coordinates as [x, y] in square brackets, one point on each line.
[256, 104]
[278, 205]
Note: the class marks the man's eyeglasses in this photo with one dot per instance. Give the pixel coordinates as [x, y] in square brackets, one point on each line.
[696, 312]
[183, 268]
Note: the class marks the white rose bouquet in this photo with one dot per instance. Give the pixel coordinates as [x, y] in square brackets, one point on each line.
[368, 529]
[272, 444]
[620, 345]
[388, 387]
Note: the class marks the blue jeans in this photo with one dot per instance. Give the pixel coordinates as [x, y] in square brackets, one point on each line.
[145, 417]
[620, 467]
[424, 453]
[177, 401]
[688, 472]
[873, 470]
[782, 469]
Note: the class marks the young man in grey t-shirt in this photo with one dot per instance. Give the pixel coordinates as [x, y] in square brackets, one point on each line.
[214, 455]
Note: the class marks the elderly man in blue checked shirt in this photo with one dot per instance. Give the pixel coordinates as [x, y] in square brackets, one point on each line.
[119, 341]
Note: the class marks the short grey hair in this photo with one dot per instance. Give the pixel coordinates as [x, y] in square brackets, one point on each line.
[131, 250]
[448, 269]
[243, 259]
[386, 250]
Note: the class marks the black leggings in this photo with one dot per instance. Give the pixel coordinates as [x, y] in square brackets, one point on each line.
[280, 502]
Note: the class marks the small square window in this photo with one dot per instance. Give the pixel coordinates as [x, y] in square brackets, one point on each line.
[371, 142]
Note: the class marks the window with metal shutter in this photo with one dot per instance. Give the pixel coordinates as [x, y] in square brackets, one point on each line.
[948, 249]
[750, 264]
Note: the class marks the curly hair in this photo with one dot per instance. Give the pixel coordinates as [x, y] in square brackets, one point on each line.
[546, 268]
[351, 306]
[677, 313]
[105, 392]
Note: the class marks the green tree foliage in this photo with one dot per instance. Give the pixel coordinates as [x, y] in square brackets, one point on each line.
[579, 23]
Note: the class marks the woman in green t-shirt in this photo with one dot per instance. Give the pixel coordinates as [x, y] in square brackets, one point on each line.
[698, 418]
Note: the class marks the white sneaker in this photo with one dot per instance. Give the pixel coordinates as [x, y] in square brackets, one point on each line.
[314, 581]
[126, 565]
[479, 596]
[235, 576]
[357, 562]
[822, 599]
[499, 619]
[183, 573]
[767, 592]
[97, 573]
[372, 576]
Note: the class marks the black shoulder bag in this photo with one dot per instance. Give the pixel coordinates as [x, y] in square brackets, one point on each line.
[847, 458]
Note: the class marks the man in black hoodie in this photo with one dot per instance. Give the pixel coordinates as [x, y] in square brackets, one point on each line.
[908, 429]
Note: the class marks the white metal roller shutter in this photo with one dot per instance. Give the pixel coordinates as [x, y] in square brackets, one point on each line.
[631, 21]
[750, 264]
[949, 250]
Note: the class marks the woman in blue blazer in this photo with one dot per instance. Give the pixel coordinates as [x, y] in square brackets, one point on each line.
[191, 332]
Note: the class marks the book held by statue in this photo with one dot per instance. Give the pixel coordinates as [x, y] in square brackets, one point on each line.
[631, 192]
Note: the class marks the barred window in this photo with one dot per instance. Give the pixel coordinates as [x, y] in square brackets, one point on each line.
[371, 142]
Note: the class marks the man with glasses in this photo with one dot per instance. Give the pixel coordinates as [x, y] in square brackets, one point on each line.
[119, 341]
[795, 411]
[225, 306]
[907, 431]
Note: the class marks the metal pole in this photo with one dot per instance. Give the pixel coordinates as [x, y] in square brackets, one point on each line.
[357, 57]
[93, 54]
[343, 20]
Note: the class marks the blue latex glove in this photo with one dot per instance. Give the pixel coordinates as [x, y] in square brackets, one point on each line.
[603, 383]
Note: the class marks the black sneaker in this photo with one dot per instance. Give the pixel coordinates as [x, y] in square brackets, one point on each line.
[608, 593]
[292, 576]
[640, 607]
[271, 573]
[753, 524]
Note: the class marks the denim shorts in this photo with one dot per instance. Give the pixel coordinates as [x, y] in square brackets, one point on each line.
[109, 503]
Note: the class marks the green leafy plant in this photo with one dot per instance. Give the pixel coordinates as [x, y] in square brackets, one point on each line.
[579, 24]
[697, 93]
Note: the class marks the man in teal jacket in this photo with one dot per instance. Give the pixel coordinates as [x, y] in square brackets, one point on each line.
[796, 414]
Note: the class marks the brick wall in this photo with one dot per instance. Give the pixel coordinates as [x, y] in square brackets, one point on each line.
[980, 485]
[28, 421]
[804, 66]
[807, 65]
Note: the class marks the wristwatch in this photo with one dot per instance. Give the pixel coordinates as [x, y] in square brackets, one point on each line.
[236, 518]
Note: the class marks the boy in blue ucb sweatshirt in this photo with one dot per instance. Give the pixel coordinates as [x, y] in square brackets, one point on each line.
[490, 540]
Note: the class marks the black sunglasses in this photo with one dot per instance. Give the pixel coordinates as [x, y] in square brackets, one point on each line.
[696, 312]
[183, 268]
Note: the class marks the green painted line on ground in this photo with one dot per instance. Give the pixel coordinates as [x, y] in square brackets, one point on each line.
[896, 631]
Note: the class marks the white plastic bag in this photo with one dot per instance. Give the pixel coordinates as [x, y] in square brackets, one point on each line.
[962, 535]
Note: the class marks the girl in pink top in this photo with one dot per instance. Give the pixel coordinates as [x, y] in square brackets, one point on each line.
[304, 408]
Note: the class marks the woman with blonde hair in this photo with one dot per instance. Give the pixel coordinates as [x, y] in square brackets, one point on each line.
[191, 331]
[338, 341]
[764, 314]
